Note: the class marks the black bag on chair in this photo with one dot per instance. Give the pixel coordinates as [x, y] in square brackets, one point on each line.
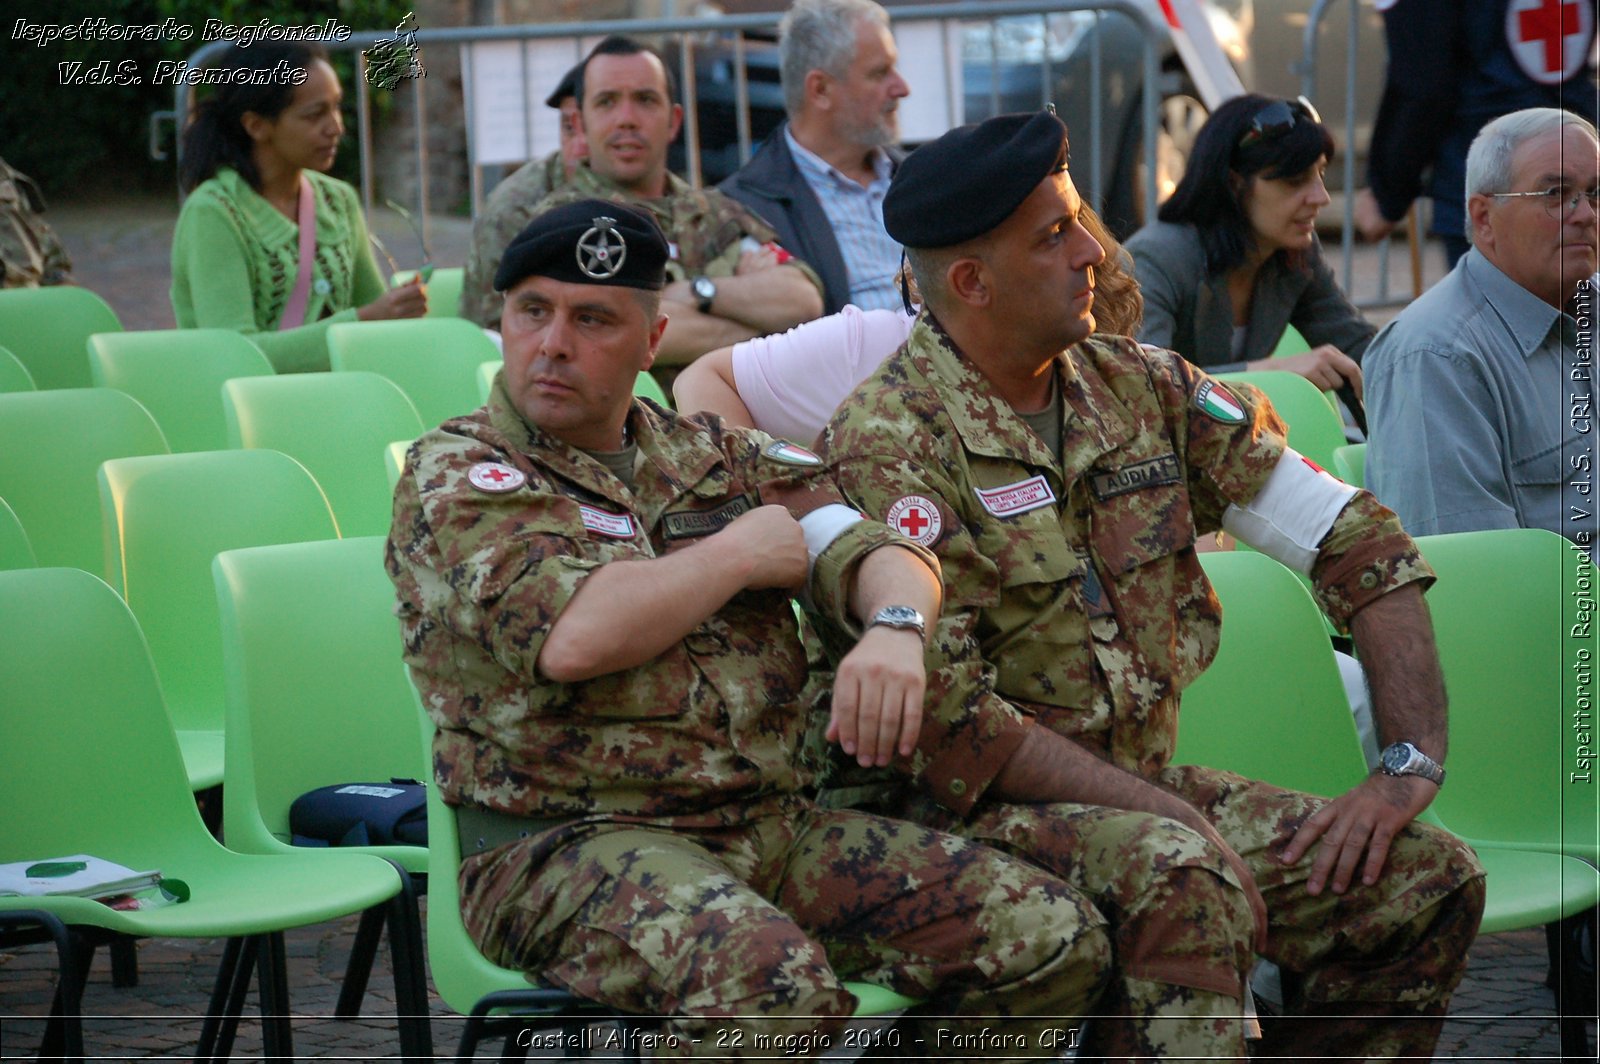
[361, 814]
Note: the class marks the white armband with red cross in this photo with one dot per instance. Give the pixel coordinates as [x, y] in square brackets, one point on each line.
[824, 525]
[1291, 513]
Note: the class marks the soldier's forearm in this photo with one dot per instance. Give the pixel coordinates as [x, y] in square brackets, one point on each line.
[769, 300]
[1048, 767]
[691, 334]
[890, 576]
[1394, 638]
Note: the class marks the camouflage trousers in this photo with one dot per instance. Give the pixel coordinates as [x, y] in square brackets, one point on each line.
[742, 934]
[1372, 969]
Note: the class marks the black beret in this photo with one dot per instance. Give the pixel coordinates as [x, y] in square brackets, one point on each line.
[593, 241]
[971, 179]
[568, 86]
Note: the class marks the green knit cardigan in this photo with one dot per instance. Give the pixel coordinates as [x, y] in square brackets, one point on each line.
[235, 257]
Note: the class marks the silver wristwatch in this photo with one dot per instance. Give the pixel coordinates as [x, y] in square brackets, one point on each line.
[705, 291]
[900, 617]
[1403, 759]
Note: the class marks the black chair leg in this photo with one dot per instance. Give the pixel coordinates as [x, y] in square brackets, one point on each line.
[227, 999]
[359, 968]
[277, 1038]
[410, 979]
[1571, 943]
[124, 962]
[63, 1032]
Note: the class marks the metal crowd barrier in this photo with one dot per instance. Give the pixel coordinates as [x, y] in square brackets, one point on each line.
[685, 30]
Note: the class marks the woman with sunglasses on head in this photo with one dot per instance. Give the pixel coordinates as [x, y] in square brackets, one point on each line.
[1235, 257]
[266, 243]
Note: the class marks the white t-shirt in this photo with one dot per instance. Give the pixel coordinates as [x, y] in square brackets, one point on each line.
[792, 382]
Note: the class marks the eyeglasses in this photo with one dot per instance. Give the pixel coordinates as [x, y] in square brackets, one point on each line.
[1559, 201]
[1276, 119]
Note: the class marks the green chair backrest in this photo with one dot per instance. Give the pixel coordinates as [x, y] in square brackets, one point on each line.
[15, 550]
[177, 374]
[1271, 706]
[1512, 613]
[51, 444]
[1350, 464]
[14, 376]
[444, 289]
[1314, 426]
[317, 692]
[166, 517]
[337, 425]
[394, 459]
[486, 372]
[89, 763]
[433, 360]
[1290, 343]
[650, 388]
[46, 329]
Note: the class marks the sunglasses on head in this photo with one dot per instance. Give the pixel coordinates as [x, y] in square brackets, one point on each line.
[1277, 118]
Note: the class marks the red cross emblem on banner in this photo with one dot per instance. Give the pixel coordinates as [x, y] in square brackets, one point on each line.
[917, 519]
[1550, 38]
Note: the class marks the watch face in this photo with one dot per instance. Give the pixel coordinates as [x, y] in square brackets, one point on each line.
[704, 288]
[1396, 757]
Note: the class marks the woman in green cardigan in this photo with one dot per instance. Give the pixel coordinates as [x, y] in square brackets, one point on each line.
[252, 164]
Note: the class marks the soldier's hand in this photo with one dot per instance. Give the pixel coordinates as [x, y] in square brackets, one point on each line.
[768, 543]
[762, 258]
[1326, 366]
[877, 696]
[1363, 820]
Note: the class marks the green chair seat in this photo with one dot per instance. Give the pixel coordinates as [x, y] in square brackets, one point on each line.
[46, 328]
[166, 517]
[178, 374]
[337, 425]
[1315, 429]
[434, 360]
[14, 376]
[51, 445]
[99, 772]
[444, 289]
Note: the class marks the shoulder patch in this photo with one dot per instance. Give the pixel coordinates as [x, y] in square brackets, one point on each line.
[790, 454]
[917, 518]
[496, 477]
[1213, 399]
[617, 526]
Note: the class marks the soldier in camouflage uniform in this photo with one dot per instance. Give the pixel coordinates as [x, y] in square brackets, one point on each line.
[729, 280]
[595, 600]
[30, 252]
[1062, 479]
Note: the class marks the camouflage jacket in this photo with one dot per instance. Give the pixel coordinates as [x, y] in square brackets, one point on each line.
[30, 252]
[1074, 597]
[508, 209]
[481, 577]
[704, 229]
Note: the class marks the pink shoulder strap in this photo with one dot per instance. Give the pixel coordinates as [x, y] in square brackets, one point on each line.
[294, 313]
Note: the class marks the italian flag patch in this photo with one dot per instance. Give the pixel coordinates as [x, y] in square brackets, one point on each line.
[1213, 399]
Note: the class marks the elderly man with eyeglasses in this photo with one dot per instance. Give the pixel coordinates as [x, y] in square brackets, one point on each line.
[1480, 394]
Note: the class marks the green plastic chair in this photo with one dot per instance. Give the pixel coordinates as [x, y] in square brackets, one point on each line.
[46, 329]
[51, 444]
[166, 517]
[1291, 342]
[90, 765]
[433, 360]
[394, 460]
[444, 289]
[176, 374]
[14, 376]
[335, 424]
[1271, 706]
[1314, 426]
[485, 992]
[486, 373]
[317, 695]
[15, 550]
[648, 387]
[1350, 464]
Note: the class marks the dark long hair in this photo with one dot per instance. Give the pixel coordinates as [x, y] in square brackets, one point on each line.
[1210, 200]
[215, 136]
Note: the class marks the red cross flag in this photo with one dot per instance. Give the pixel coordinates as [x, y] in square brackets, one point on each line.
[1550, 39]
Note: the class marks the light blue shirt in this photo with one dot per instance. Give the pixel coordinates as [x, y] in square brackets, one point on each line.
[1480, 402]
[871, 256]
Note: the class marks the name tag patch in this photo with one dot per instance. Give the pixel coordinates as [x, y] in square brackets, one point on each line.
[687, 524]
[617, 526]
[1017, 498]
[1162, 469]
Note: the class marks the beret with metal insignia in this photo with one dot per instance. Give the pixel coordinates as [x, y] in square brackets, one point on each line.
[593, 241]
[972, 178]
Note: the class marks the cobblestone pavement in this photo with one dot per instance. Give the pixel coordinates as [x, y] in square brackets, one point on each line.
[121, 250]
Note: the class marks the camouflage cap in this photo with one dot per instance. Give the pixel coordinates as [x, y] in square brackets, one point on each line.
[592, 241]
[972, 178]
